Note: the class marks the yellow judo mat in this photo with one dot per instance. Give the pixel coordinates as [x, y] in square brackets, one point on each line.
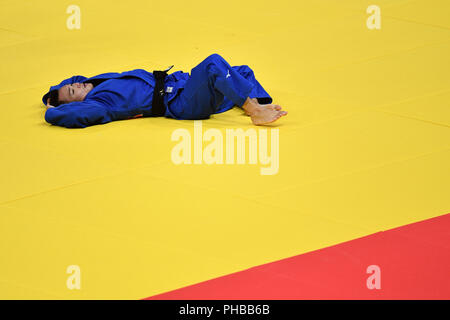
[365, 146]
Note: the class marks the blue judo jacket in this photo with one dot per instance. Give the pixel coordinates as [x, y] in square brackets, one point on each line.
[121, 96]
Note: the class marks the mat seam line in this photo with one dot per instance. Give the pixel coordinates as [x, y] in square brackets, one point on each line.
[353, 172]
[74, 184]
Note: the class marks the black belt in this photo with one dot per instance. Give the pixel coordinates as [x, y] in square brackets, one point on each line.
[158, 107]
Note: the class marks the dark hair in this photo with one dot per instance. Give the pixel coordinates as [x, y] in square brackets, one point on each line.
[54, 98]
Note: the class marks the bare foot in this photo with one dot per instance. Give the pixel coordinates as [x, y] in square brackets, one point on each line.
[277, 107]
[256, 102]
[262, 114]
[265, 114]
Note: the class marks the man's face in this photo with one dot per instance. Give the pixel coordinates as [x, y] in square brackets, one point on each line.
[74, 92]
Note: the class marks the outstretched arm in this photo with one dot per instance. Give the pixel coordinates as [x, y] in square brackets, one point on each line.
[78, 114]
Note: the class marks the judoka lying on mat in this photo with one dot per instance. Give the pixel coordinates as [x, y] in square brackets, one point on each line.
[213, 87]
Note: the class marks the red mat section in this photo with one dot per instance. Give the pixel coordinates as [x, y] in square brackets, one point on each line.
[413, 260]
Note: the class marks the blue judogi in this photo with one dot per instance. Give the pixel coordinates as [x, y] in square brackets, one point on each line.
[213, 87]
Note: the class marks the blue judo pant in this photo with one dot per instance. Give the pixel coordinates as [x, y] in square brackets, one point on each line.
[214, 87]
